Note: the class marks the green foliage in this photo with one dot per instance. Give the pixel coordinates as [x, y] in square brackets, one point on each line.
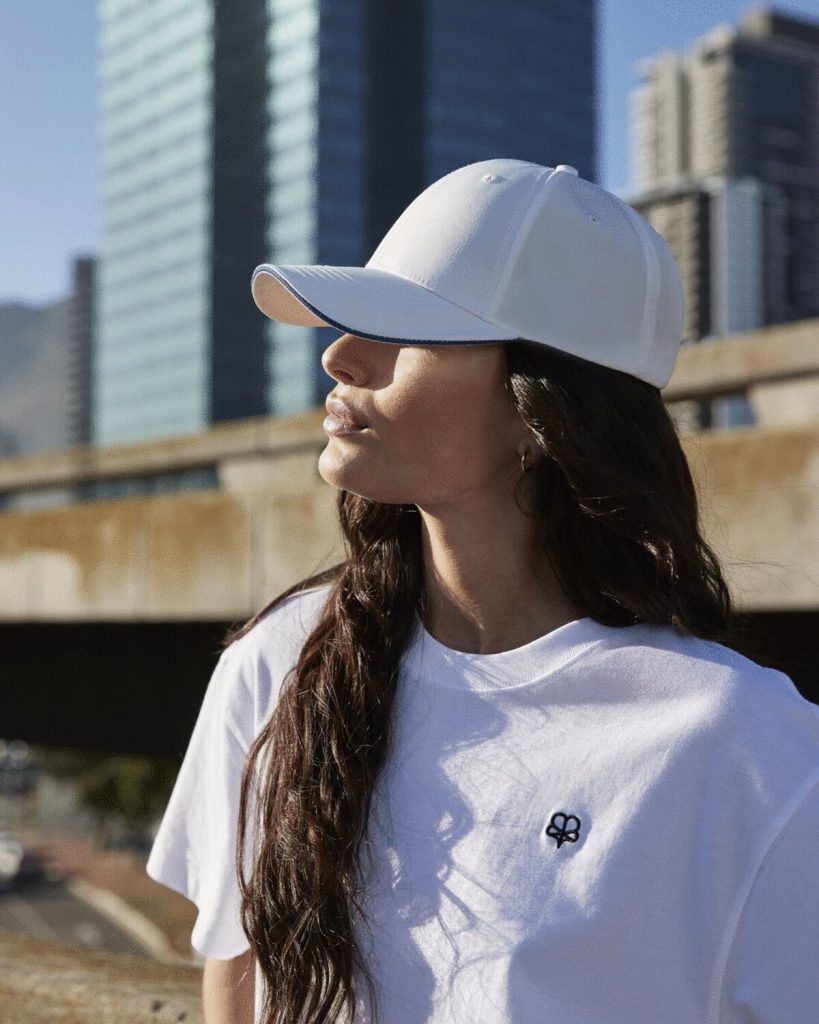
[136, 789]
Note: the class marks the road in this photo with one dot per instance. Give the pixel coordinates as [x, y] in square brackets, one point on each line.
[45, 908]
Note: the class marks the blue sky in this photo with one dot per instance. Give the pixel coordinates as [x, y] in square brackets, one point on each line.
[49, 185]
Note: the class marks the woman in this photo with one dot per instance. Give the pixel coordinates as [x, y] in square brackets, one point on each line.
[512, 760]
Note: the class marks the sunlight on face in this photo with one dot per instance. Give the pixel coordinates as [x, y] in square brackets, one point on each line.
[441, 425]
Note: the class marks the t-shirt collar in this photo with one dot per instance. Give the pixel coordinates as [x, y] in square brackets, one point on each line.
[432, 662]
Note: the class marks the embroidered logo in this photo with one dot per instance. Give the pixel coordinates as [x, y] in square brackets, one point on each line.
[563, 828]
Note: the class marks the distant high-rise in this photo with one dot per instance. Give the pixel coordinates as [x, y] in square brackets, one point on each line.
[294, 131]
[79, 381]
[725, 163]
[34, 346]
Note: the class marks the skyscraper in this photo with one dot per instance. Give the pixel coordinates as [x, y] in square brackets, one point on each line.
[376, 101]
[726, 166]
[182, 112]
[294, 131]
[79, 382]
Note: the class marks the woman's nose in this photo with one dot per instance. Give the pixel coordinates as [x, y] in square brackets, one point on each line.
[346, 355]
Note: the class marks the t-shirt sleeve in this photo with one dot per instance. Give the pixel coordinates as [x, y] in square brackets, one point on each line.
[772, 971]
[193, 852]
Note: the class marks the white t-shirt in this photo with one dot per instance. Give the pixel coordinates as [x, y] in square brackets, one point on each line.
[604, 826]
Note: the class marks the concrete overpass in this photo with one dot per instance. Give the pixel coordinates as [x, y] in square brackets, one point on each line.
[260, 517]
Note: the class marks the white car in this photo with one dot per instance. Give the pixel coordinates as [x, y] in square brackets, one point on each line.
[11, 856]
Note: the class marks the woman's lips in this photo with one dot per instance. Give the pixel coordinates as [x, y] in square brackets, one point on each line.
[334, 425]
[339, 409]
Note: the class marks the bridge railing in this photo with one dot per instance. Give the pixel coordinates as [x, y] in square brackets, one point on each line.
[767, 377]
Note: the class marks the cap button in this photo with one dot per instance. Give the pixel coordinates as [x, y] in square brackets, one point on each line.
[566, 167]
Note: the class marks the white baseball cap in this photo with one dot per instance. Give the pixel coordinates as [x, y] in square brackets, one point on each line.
[499, 250]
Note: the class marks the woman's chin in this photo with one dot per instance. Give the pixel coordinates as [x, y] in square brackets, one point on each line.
[347, 470]
[337, 464]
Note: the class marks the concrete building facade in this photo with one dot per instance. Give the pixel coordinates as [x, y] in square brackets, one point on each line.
[725, 163]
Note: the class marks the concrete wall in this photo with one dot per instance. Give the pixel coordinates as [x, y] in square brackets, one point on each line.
[193, 555]
[759, 498]
[223, 553]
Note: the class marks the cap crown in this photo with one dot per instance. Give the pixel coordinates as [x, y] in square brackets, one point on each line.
[549, 255]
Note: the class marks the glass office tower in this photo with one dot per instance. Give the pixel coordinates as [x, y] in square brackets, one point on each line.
[377, 100]
[183, 88]
[292, 187]
[237, 132]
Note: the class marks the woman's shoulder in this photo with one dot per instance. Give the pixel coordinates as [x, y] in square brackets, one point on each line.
[254, 666]
[694, 657]
[752, 707]
[290, 618]
[279, 633]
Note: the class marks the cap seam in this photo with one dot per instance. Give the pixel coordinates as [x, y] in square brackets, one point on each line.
[510, 252]
[652, 276]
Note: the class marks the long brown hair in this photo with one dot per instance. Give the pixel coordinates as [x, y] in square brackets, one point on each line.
[621, 529]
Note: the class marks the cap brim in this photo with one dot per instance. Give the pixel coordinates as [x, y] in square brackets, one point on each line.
[367, 302]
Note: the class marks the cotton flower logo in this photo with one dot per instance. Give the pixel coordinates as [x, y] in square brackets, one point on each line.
[564, 828]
